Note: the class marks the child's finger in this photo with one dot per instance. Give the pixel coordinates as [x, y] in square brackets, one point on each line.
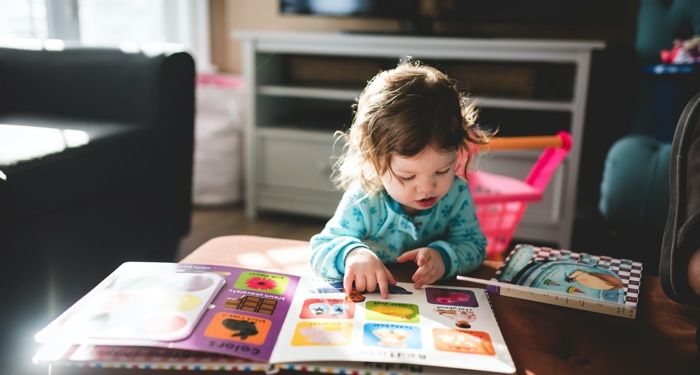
[389, 277]
[422, 271]
[409, 255]
[347, 280]
[371, 282]
[426, 279]
[360, 283]
[382, 282]
[421, 274]
[418, 283]
[422, 258]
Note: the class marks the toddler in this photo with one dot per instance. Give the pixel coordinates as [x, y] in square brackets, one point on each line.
[403, 200]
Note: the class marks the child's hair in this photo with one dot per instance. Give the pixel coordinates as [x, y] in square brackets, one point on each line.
[401, 111]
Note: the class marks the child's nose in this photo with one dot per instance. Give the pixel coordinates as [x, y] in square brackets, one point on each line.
[426, 185]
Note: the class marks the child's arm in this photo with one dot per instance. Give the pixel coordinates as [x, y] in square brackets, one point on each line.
[464, 247]
[343, 233]
[339, 252]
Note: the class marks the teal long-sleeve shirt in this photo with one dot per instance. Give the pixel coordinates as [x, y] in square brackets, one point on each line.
[377, 222]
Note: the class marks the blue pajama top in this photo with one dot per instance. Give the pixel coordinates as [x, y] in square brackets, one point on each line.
[378, 223]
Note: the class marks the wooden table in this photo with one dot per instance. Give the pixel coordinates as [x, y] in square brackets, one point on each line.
[543, 339]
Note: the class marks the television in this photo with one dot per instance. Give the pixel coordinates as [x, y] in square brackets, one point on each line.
[421, 16]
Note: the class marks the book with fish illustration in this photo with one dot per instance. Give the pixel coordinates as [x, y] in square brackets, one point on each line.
[193, 316]
[582, 281]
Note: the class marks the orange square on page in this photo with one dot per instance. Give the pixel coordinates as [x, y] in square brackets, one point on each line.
[237, 327]
[452, 340]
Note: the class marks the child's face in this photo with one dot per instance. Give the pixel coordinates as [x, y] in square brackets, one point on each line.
[591, 281]
[422, 180]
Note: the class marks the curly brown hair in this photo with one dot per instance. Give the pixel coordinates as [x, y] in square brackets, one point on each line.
[402, 111]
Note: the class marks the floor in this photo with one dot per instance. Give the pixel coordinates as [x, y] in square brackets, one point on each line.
[210, 222]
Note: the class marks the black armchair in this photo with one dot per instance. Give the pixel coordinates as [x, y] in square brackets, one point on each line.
[96, 147]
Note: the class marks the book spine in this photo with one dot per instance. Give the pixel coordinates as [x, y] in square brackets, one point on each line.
[562, 300]
[204, 366]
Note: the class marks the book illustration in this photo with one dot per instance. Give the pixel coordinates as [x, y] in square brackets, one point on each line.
[473, 342]
[275, 318]
[579, 274]
[451, 297]
[237, 327]
[355, 296]
[392, 312]
[461, 317]
[317, 308]
[259, 305]
[262, 282]
[392, 336]
[322, 333]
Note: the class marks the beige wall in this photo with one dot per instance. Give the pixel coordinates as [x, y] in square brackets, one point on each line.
[230, 15]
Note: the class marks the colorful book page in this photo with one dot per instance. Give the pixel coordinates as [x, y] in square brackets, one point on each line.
[242, 320]
[433, 326]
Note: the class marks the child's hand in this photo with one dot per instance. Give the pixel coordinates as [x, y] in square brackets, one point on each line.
[430, 265]
[363, 266]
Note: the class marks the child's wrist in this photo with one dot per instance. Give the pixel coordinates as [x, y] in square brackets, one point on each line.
[444, 258]
[354, 252]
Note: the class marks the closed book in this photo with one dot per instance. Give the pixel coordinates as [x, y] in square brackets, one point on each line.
[567, 278]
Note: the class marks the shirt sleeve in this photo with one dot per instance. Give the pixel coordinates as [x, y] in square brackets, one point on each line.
[343, 233]
[464, 247]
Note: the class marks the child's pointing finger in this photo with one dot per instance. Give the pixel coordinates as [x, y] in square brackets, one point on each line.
[407, 256]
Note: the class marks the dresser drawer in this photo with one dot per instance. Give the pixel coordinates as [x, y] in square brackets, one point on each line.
[296, 159]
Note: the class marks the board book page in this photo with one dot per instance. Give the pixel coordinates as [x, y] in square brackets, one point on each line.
[433, 326]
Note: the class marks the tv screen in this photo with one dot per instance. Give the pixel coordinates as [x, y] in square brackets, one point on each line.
[581, 13]
[351, 8]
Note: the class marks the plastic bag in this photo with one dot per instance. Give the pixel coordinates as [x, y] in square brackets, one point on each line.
[218, 155]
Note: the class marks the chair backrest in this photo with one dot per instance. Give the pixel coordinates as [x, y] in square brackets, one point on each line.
[85, 82]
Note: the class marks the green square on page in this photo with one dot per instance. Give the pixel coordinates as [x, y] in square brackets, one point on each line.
[262, 282]
[392, 312]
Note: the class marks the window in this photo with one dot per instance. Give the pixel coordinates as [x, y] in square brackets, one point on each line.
[103, 21]
[23, 18]
[111, 22]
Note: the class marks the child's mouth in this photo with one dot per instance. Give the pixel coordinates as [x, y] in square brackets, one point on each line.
[426, 202]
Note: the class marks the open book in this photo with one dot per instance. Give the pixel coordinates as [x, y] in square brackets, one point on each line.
[271, 318]
[566, 278]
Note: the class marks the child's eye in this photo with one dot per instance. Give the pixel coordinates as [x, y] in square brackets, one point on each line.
[443, 171]
[407, 178]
